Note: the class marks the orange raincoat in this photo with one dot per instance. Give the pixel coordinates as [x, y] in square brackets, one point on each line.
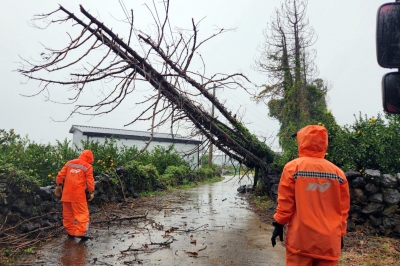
[313, 199]
[77, 175]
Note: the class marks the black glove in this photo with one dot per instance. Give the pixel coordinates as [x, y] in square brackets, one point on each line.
[278, 231]
[342, 244]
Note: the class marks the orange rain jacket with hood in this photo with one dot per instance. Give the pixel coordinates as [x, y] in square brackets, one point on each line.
[313, 199]
[77, 175]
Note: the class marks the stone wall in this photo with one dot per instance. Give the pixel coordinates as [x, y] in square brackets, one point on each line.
[374, 199]
[31, 206]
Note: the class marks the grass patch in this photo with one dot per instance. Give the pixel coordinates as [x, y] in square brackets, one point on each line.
[371, 250]
[151, 193]
[211, 180]
[30, 250]
[263, 202]
[4, 259]
[188, 185]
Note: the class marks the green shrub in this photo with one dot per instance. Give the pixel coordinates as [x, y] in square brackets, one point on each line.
[106, 155]
[17, 178]
[175, 175]
[141, 178]
[372, 143]
[203, 173]
[42, 162]
[162, 158]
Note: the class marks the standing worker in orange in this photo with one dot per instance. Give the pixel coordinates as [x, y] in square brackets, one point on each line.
[74, 179]
[314, 200]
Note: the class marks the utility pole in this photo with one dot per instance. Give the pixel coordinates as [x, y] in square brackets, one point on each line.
[210, 155]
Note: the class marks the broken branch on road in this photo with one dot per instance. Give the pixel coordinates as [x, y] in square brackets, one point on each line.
[128, 218]
[194, 252]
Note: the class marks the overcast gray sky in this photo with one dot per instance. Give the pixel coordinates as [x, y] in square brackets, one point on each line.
[345, 57]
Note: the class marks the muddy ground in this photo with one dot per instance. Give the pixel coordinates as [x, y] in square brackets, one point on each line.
[211, 224]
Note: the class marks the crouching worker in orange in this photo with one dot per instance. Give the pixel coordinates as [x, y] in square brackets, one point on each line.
[76, 176]
[314, 200]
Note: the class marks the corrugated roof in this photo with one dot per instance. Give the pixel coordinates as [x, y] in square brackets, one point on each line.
[122, 133]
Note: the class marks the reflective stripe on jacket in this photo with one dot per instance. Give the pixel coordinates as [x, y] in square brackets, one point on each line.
[313, 199]
[77, 175]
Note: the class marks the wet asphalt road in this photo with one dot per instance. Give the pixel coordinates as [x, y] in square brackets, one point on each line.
[213, 220]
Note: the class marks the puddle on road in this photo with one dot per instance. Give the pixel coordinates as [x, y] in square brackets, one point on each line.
[212, 220]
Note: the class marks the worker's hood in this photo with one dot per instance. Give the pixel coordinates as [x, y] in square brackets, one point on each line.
[87, 156]
[312, 141]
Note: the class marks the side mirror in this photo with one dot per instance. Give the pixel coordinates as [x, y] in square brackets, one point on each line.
[391, 92]
[388, 35]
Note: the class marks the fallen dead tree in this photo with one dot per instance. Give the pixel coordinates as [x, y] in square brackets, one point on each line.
[179, 94]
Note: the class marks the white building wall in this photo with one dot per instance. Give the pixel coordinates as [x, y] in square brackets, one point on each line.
[220, 159]
[77, 138]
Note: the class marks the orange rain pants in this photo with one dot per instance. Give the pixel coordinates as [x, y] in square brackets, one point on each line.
[75, 217]
[293, 259]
